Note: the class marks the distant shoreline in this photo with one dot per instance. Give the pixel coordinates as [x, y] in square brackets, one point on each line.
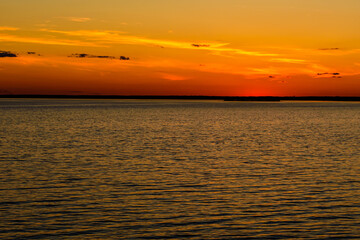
[175, 97]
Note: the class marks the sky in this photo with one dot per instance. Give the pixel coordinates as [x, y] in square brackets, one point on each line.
[187, 47]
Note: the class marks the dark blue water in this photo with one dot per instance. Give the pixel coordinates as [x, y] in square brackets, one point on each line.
[127, 169]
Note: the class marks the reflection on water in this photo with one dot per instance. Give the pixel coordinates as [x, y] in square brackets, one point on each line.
[121, 169]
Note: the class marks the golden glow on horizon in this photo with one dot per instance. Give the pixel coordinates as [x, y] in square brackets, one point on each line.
[187, 48]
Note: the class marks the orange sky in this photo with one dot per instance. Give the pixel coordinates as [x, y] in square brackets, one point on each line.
[171, 47]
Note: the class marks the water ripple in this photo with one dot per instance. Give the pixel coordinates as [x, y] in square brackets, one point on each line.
[127, 169]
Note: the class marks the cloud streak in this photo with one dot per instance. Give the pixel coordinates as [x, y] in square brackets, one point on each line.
[46, 41]
[329, 49]
[75, 19]
[79, 19]
[288, 60]
[116, 37]
[7, 54]
[93, 38]
[333, 75]
[85, 55]
[173, 77]
[200, 45]
[3, 28]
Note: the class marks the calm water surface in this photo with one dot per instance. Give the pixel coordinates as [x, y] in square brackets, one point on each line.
[136, 169]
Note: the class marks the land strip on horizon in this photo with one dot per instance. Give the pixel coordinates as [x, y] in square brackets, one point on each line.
[188, 97]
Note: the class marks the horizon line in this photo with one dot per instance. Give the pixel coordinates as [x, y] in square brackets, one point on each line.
[186, 97]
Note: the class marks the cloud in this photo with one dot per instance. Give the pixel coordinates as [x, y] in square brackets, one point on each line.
[85, 55]
[328, 49]
[7, 54]
[333, 75]
[282, 71]
[22, 39]
[94, 38]
[75, 19]
[3, 28]
[116, 37]
[79, 19]
[326, 73]
[173, 77]
[200, 45]
[97, 35]
[288, 60]
[264, 71]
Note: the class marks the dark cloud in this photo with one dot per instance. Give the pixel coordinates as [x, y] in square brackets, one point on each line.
[329, 49]
[7, 54]
[85, 55]
[326, 73]
[33, 53]
[271, 77]
[200, 45]
[110, 57]
[79, 55]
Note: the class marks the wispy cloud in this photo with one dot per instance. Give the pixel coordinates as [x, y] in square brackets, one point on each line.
[173, 77]
[94, 38]
[23, 39]
[329, 49]
[173, 69]
[75, 19]
[85, 55]
[4, 28]
[288, 60]
[200, 45]
[79, 19]
[116, 37]
[333, 75]
[326, 73]
[265, 71]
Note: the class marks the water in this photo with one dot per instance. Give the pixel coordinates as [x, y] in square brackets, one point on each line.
[141, 169]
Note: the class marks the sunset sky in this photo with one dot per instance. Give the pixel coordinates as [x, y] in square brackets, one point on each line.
[187, 47]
